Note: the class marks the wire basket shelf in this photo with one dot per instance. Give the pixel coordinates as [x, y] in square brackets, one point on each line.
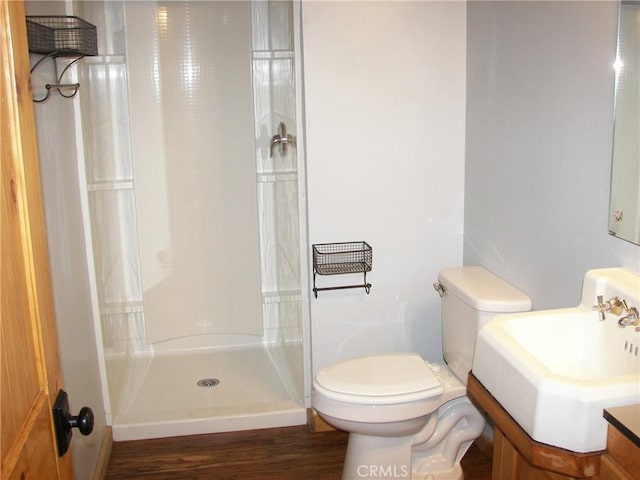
[341, 258]
[61, 35]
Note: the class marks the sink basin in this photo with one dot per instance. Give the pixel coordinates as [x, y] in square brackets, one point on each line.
[555, 371]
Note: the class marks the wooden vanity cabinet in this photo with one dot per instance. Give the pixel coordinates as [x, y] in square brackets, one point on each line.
[516, 456]
[622, 460]
[611, 470]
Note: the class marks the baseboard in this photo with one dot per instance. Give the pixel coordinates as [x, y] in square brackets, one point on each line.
[317, 424]
[104, 455]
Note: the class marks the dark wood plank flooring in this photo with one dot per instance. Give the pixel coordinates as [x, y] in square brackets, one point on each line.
[291, 453]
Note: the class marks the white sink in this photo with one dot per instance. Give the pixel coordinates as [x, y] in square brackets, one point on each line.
[555, 371]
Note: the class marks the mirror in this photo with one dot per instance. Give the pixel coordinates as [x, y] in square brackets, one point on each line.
[624, 206]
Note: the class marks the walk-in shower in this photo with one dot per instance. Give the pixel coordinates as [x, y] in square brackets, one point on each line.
[195, 219]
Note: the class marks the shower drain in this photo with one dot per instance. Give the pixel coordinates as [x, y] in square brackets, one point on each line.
[208, 382]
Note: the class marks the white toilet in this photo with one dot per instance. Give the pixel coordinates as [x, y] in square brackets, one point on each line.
[411, 419]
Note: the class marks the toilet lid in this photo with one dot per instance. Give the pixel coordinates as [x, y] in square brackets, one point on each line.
[379, 375]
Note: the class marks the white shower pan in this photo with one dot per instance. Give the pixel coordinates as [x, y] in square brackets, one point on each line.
[161, 386]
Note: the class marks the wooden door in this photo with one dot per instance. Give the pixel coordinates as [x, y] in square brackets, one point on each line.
[30, 374]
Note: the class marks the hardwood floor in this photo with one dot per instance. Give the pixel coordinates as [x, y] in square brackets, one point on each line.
[291, 453]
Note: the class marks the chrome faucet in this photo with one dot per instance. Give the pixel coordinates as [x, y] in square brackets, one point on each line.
[615, 305]
[283, 139]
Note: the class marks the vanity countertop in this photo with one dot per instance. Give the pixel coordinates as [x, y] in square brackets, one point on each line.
[626, 419]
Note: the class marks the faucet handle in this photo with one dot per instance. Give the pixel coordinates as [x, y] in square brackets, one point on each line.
[601, 307]
[625, 305]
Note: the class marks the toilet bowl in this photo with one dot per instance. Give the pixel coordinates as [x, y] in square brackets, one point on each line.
[407, 418]
[394, 410]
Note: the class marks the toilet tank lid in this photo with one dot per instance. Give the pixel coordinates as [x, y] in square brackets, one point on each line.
[483, 291]
[380, 376]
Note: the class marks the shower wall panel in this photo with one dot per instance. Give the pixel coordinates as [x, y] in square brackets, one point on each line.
[109, 178]
[277, 173]
[274, 99]
[194, 168]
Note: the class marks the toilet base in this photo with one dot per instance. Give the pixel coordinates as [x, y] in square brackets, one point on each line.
[382, 471]
[434, 453]
[387, 459]
[377, 458]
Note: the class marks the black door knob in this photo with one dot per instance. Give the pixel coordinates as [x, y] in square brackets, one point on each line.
[83, 421]
[64, 422]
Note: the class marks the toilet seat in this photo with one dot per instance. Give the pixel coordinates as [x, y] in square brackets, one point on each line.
[379, 379]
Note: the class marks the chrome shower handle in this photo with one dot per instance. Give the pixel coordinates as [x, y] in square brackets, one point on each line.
[283, 139]
[275, 140]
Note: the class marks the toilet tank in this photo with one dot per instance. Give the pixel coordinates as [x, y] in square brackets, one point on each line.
[471, 297]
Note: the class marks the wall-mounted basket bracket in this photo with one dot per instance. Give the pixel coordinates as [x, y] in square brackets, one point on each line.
[341, 258]
[60, 36]
[66, 90]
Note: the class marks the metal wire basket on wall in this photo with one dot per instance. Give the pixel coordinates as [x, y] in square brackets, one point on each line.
[341, 258]
[61, 35]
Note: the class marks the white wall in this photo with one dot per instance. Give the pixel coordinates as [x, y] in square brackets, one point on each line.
[76, 337]
[539, 136]
[55, 122]
[384, 99]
